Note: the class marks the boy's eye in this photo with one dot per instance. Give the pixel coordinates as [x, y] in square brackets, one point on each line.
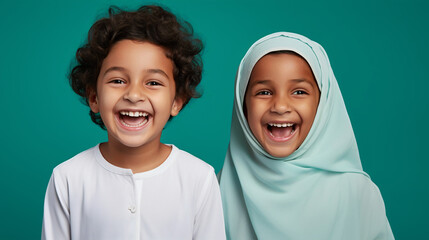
[153, 83]
[264, 92]
[299, 92]
[117, 81]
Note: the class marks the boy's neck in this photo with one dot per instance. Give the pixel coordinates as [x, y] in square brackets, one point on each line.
[138, 159]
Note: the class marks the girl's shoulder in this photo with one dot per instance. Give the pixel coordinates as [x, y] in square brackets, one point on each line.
[359, 181]
[361, 188]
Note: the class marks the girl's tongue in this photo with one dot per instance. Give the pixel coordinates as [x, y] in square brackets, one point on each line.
[280, 132]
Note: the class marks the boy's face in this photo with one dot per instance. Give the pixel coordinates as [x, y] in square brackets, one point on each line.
[281, 102]
[135, 93]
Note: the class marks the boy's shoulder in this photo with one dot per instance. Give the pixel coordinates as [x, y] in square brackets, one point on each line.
[190, 162]
[77, 163]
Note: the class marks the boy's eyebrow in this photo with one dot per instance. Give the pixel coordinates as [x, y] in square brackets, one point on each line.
[157, 70]
[122, 69]
[115, 68]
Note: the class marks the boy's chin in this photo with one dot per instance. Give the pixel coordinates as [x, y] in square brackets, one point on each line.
[134, 142]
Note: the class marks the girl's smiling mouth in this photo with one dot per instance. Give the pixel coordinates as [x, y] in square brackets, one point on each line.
[280, 132]
[133, 120]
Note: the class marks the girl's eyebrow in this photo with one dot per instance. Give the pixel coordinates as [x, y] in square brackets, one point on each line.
[260, 82]
[298, 80]
[302, 80]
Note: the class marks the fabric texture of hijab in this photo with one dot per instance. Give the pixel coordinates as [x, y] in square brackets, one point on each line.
[318, 192]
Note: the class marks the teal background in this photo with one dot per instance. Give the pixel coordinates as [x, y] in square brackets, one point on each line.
[378, 49]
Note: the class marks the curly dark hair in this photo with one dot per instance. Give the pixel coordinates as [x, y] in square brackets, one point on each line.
[148, 24]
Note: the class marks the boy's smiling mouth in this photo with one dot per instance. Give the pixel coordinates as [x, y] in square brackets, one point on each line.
[132, 119]
[281, 132]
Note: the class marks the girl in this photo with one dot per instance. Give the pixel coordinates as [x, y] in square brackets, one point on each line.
[292, 170]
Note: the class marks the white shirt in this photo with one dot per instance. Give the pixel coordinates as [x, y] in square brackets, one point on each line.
[89, 198]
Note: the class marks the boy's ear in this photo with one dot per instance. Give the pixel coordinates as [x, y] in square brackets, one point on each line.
[93, 101]
[177, 106]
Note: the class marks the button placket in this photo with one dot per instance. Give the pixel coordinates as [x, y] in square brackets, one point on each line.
[132, 208]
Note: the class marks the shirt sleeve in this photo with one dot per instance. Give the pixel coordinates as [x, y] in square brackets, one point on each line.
[56, 224]
[209, 221]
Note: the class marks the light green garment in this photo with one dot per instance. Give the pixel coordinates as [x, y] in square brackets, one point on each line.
[318, 192]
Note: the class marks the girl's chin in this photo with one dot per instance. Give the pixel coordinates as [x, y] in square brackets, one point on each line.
[280, 149]
[280, 153]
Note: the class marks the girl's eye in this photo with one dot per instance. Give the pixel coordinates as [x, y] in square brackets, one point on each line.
[264, 92]
[299, 92]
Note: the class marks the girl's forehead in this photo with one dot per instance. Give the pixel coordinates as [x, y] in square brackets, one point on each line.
[286, 63]
[277, 43]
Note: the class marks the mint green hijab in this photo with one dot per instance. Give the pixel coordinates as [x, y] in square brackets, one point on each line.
[318, 192]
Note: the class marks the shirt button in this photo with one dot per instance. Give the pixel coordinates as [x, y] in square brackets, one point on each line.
[132, 209]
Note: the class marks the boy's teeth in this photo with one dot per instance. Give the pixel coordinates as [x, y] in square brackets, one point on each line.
[134, 125]
[280, 124]
[134, 114]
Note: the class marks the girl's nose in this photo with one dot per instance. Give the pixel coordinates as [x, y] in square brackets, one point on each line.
[135, 94]
[280, 105]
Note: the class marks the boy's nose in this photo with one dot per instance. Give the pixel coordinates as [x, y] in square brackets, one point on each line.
[280, 105]
[134, 94]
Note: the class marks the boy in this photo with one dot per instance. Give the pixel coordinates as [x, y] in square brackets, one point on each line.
[137, 70]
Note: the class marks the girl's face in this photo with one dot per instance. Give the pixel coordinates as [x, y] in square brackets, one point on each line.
[281, 102]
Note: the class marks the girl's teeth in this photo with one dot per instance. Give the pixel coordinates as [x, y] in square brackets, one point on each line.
[280, 124]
